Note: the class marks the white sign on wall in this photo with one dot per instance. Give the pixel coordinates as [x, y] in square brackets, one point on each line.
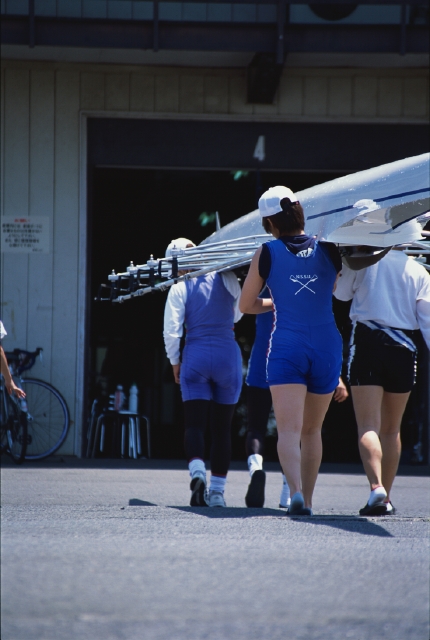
[25, 235]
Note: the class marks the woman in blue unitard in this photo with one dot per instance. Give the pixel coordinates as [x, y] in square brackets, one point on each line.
[305, 348]
[259, 403]
[210, 373]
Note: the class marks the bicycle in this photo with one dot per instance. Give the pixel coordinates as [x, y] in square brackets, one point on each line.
[13, 425]
[47, 413]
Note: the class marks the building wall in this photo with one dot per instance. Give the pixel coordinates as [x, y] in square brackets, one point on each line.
[41, 172]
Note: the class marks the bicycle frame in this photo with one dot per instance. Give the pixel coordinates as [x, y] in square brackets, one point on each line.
[14, 435]
[46, 414]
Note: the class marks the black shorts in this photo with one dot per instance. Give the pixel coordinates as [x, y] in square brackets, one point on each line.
[373, 360]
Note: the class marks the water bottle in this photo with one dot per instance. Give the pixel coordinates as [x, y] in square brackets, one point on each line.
[119, 398]
[133, 399]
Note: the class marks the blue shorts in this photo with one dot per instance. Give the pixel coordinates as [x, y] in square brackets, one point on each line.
[211, 370]
[309, 355]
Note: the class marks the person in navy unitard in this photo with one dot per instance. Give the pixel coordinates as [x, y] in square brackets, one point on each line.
[259, 403]
[305, 348]
[210, 373]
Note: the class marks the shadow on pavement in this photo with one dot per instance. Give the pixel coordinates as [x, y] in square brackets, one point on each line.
[230, 512]
[353, 524]
[135, 502]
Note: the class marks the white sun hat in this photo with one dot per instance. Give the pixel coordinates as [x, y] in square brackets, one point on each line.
[179, 243]
[270, 202]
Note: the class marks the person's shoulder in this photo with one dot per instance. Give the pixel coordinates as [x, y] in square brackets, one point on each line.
[401, 263]
[228, 276]
[177, 289]
[416, 268]
[267, 248]
[178, 285]
[408, 262]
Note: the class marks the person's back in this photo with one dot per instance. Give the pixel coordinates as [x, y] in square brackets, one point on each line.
[389, 292]
[301, 286]
[211, 360]
[209, 309]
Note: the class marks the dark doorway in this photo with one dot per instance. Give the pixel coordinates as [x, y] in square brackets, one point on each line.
[135, 213]
[202, 167]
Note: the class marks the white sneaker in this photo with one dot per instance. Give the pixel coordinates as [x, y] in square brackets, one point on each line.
[216, 499]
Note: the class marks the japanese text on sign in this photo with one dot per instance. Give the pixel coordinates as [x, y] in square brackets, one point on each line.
[25, 235]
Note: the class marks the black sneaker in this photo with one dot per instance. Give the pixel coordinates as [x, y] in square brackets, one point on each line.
[255, 494]
[198, 491]
[376, 510]
[391, 509]
[304, 511]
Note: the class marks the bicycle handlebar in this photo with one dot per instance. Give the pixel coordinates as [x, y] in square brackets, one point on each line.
[20, 360]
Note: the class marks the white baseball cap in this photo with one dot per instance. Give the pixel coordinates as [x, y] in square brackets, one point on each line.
[270, 202]
[179, 243]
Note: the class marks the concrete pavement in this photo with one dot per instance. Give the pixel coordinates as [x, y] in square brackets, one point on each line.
[111, 550]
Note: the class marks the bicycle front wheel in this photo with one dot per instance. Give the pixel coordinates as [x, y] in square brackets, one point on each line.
[16, 429]
[47, 418]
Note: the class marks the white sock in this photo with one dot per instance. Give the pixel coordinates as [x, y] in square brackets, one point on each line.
[197, 466]
[255, 463]
[285, 493]
[218, 483]
[377, 496]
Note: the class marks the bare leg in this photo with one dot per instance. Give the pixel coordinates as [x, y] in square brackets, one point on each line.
[289, 404]
[299, 417]
[393, 408]
[316, 406]
[367, 402]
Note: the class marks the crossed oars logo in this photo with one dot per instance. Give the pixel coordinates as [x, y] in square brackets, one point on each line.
[304, 285]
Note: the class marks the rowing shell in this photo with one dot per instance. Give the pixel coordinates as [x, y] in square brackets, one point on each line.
[378, 207]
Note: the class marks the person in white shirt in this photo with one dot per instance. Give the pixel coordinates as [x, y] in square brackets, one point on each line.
[390, 302]
[9, 382]
[210, 373]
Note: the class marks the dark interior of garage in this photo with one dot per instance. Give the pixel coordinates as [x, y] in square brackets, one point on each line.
[150, 181]
[135, 213]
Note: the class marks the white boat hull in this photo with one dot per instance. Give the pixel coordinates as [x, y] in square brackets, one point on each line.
[378, 207]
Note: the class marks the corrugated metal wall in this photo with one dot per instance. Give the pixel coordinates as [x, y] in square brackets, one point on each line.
[304, 94]
[40, 153]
